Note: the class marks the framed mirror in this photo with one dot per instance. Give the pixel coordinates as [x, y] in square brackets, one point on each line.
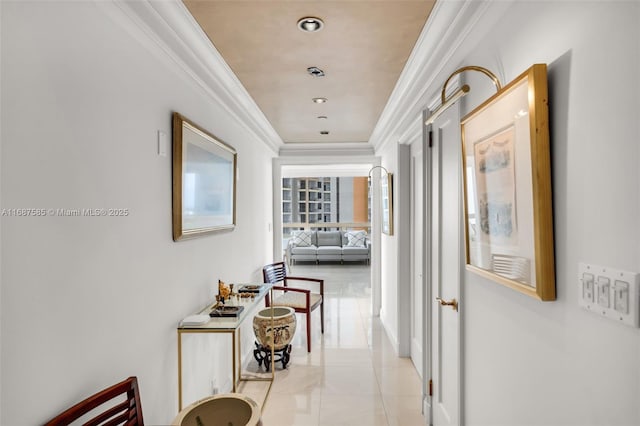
[204, 181]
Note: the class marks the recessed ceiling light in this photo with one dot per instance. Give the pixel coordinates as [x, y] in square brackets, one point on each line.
[322, 117]
[324, 132]
[310, 24]
[315, 71]
[319, 100]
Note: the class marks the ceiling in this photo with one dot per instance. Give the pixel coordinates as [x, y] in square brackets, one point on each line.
[362, 49]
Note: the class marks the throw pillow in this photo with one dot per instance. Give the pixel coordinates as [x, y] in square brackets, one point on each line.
[356, 238]
[301, 238]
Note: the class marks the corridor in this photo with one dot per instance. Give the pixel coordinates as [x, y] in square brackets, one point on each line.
[352, 375]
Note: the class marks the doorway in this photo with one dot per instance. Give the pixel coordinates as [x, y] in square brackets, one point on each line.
[315, 168]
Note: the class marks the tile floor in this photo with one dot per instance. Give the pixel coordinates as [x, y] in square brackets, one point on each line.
[352, 375]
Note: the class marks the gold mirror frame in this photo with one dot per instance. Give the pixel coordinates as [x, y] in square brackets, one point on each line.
[204, 181]
[507, 187]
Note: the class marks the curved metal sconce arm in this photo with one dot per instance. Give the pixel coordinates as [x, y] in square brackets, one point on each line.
[485, 71]
[446, 103]
[377, 167]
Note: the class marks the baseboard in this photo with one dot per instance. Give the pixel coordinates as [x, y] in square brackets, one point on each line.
[393, 337]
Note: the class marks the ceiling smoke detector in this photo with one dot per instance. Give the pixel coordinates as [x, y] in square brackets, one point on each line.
[310, 24]
[315, 71]
[319, 100]
[322, 117]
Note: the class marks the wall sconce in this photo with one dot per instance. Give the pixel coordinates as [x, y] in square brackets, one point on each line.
[386, 199]
[446, 103]
[376, 167]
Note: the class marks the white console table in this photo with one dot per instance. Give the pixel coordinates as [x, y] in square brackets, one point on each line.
[229, 325]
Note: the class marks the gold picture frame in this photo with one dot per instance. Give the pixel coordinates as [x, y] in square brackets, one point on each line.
[507, 187]
[204, 181]
[386, 199]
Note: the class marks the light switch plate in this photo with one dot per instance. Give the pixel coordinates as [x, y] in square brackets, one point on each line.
[604, 290]
[162, 143]
[612, 293]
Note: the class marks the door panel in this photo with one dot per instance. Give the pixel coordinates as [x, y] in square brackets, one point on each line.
[417, 241]
[445, 267]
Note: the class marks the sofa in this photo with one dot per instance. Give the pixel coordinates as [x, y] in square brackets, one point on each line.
[334, 246]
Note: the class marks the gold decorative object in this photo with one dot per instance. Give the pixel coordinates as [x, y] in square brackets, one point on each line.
[224, 291]
[446, 103]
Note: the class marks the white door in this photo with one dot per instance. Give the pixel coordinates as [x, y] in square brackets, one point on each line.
[417, 241]
[445, 268]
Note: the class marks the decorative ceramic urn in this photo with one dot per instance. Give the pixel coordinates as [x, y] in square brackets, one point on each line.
[284, 324]
[221, 409]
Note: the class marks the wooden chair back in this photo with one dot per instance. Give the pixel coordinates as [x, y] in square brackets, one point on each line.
[127, 412]
[275, 273]
[300, 299]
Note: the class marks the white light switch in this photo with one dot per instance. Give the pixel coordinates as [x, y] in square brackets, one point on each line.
[603, 291]
[621, 297]
[610, 292]
[162, 143]
[587, 287]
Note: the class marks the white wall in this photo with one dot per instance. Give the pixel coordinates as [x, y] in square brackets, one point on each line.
[533, 363]
[88, 301]
[0, 220]
[528, 362]
[402, 235]
[395, 252]
[389, 258]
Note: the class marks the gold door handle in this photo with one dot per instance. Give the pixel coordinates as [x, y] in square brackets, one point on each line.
[453, 303]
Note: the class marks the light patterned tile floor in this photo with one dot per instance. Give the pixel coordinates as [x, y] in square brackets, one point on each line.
[352, 375]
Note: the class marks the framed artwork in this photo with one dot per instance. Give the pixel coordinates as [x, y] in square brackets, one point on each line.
[386, 198]
[507, 187]
[204, 181]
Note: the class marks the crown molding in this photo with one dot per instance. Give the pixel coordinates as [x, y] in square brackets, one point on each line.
[170, 26]
[443, 42]
[412, 131]
[305, 170]
[351, 149]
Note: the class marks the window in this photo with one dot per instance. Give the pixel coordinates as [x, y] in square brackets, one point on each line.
[310, 202]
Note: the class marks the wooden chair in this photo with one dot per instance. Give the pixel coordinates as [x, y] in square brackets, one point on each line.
[301, 300]
[127, 412]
